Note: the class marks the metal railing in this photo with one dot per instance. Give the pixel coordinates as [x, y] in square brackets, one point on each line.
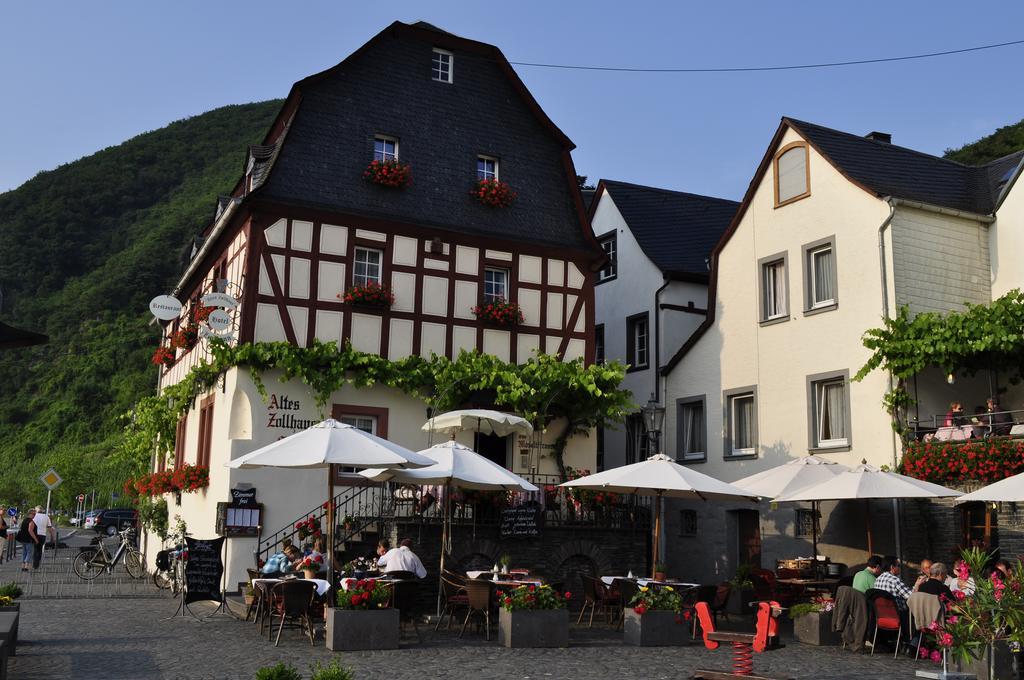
[967, 425]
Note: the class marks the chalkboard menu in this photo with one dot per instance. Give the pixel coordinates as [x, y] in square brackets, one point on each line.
[522, 521]
[203, 570]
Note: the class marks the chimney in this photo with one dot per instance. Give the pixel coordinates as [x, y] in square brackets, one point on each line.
[876, 136]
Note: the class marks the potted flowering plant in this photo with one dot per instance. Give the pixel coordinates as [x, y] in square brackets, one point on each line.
[493, 193]
[655, 617]
[372, 294]
[312, 565]
[185, 338]
[499, 312]
[533, 616]
[363, 618]
[978, 630]
[163, 356]
[812, 621]
[388, 173]
[308, 527]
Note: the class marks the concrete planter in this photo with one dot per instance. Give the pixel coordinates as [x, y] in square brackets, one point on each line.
[534, 628]
[655, 628]
[815, 628]
[1005, 664]
[350, 630]
[739, 601]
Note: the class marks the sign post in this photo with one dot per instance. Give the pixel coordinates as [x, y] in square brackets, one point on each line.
[51, 480]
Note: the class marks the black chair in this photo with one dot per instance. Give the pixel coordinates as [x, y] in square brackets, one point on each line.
[627, 589]
[403, 598]
[400, 575]
[292, 600]
[453, 595]
[478, 601]
[705, 594]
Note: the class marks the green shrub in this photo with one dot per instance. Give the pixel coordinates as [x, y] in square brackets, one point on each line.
[332, 671]
[281, 671]
[10, 590]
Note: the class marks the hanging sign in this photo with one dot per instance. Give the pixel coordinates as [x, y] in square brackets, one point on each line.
[165, 307]
[219, 300]
[244, 498]
[203, 570]
[219, 320]
[50, 479]
[522, 521]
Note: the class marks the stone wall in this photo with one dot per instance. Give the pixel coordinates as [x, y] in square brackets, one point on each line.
[560, 554]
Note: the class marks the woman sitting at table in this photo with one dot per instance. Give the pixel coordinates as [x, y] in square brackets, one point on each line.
[955, 415]
[318, 551]
[282, 562]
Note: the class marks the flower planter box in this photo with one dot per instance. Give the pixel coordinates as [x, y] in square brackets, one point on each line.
[739, 601]
[655, 628]
[1005, 664]
[815, 628]
[350, 630]
[534, 628]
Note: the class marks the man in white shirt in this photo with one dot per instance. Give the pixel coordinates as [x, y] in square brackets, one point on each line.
[402, 559]
[44, 529]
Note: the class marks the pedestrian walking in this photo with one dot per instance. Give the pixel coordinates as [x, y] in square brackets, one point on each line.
[3, 532]
[44, 529]
[28, 539]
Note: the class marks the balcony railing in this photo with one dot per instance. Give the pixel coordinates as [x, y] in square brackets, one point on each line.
[968, 426]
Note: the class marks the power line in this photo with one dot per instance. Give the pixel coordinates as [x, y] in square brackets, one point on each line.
[793, 67]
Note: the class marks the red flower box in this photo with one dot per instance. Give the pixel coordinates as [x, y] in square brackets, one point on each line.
[372, 294]
[984, 460]
[499, 312]
[185, 338]
[493, 193]
[389, 173]
[163, 356]
[186, 479]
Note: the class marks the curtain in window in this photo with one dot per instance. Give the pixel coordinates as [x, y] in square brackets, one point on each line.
[792, 173]
[832, 425]
[693, 429]
[743, 428]
[774, 290]
[823, 276]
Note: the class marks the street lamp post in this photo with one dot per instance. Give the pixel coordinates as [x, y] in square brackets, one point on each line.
[654, 417]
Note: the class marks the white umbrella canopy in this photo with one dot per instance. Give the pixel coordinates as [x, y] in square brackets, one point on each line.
[790, 477]
[865, 482]
[331, 443]
[484, 421]
[660, 476]
[456, 465]
[1009, 490]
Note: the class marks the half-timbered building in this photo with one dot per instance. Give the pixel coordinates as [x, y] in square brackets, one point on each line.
[304, 225]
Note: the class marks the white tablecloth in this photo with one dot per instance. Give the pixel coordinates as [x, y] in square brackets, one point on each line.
[322, 585]
[608, 580]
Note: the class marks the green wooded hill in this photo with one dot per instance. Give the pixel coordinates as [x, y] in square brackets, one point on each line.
[83, 248]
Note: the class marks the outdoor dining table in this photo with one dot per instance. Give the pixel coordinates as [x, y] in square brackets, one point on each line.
[265, 584]
[810, 583]
[609, 580]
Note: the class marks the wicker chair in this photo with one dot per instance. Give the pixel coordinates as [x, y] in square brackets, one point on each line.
[478, 601]
[596, 597]
[254, 606]
[292, 600]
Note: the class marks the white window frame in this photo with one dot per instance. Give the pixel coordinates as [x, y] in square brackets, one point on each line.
[681, 429]
[774, 304]
[385, 155]
[610, 246]
[732, 399]
[495, 290]
[365, 278]
[358, 421]
[438, 72]
[484, 172]
[812, 276]
[638, 341]
[816, 386]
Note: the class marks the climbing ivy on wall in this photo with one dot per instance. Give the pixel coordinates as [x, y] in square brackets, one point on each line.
[541, 389]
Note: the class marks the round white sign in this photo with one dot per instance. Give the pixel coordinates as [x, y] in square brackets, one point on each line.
[165, 307]
[219, 320]
[219, 300]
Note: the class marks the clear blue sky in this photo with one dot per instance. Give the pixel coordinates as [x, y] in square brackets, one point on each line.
[76, 77]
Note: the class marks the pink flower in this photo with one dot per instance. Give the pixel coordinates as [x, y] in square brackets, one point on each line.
[960, 595]
[953, 619]
[935, 656]
[923, 653]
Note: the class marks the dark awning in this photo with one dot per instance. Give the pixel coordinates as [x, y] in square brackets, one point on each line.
[11, 337]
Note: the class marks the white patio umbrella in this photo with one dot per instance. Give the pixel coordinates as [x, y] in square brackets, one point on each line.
[484, 421]
[660, 476]
[458, 466]
[790, 477]
[1009, 490]
[866, 482]
[331, 443]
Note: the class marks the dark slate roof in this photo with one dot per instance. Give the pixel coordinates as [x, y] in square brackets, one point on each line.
[385, 87]
[676, 230]
[891, 170]
[1001, 170]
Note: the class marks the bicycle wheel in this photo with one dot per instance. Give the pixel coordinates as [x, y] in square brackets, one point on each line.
[89, 564]
[133, 564]
[162, 579]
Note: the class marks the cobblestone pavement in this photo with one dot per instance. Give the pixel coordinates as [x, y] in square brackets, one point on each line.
[125, 638]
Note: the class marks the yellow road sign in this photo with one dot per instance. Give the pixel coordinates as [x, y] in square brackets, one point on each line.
[50, 479]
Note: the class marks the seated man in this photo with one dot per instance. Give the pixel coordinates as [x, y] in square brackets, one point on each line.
[865, 579]
[402, 558]
[889, 581]
[281, 562]
[936, 583]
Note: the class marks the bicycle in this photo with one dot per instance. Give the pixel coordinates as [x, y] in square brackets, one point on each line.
[170, 567]
[91, 562]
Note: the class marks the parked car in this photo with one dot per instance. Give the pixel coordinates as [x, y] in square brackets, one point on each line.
[90, 519]
[111, 521]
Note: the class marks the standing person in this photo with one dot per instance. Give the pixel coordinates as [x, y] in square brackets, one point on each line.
[3, 532]
[28, 538]
[44, 529]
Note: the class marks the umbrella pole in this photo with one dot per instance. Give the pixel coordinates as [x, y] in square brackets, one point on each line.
[445, 529]
[814, 535]
[330, 532]
[867, 523]
[657, 533]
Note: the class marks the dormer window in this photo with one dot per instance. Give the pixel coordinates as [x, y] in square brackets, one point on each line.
[385, 148]
[441, 69]
[486, 168]
[792, 174]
